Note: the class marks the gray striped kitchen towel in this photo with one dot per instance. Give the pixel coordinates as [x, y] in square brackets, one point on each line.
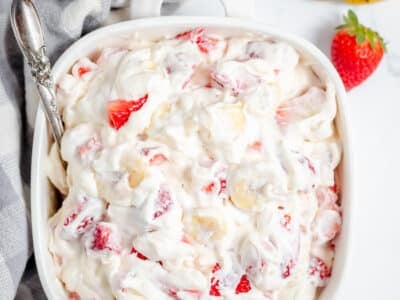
[64, 21]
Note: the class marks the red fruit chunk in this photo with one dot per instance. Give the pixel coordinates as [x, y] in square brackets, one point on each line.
[83, 70]
[70, 218]
[173, 293]
[190, 34]
[138, 254]
[185, 240]
[102, 238]
[209, 187]
[216, 268]
[319, 267]
[157, 159]
[120, 110]
[84, 224]
[222, 184]
[76, 212]
[256, 146]
[164, 202]
[243, 285]
[73, 296]
[214, 291]
[287, 269]
[204, 43]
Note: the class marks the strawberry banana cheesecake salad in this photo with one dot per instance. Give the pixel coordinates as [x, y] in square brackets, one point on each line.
[198, 167]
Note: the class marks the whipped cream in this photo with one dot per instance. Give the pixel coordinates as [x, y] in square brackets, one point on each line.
[198, 167]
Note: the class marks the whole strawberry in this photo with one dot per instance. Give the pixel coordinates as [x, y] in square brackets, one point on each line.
[356, 51]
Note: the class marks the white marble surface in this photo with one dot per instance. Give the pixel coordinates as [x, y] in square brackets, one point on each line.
[373, 110]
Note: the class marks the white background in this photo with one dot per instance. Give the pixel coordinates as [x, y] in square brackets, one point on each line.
[374, 112]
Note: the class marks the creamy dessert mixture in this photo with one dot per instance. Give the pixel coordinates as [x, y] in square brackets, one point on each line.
[198, 167]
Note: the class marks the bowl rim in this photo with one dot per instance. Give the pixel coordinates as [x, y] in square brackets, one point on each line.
[172, 23]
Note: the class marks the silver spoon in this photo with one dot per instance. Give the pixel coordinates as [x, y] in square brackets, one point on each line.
[28, 32]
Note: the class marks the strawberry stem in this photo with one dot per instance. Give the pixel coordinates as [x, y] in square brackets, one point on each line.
[361, 32]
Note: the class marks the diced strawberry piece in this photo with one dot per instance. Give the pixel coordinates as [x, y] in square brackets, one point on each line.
[214, 291]
[168, 69]
[164, 202]
[256, 146]
[191, 34]
[138, 254]
[216, 268]
[285, 221]
[73, 296]
[84, 224]
[206, 43]
[287, 268]
[209, 187]
[173, 293]
[222, 184]
[336, 188]
[208, 85]
[102, 238]
[332, 245]
[82, 67]
[70, 218]
[78, 209]
[214, 283]
[282, 116]
[185, 240]
[83, 70]
[120, 110]
[158, 159]
[243, 285]
[184, 35]
[319, 267]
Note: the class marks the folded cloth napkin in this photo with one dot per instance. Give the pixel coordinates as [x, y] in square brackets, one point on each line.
[64, 21]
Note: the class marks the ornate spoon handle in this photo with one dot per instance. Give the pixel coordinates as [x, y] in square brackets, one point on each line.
[28, 32]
